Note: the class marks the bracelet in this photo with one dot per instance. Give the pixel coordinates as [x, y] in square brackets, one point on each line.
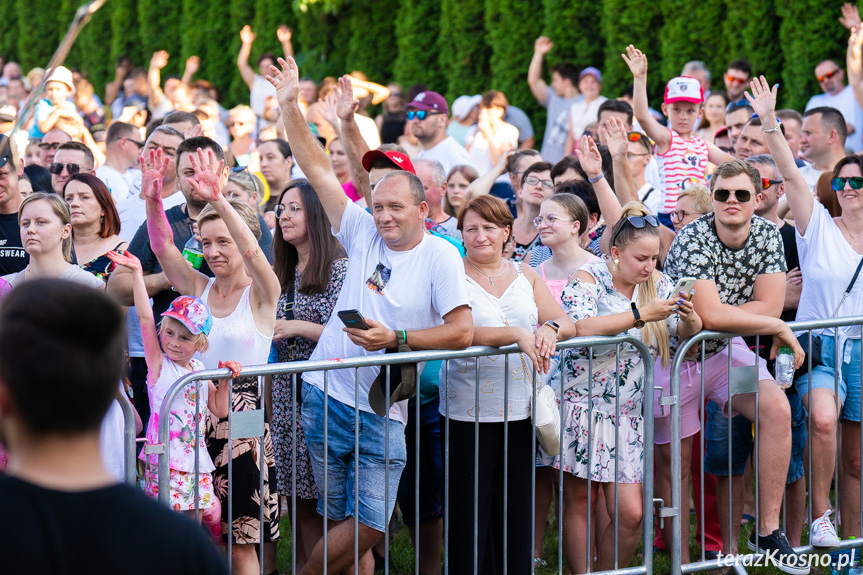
[596, 179]
[774, 129]
[405, 336]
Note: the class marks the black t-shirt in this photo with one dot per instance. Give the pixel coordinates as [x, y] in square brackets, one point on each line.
[95, 532]
[181, 226]
[13, 258]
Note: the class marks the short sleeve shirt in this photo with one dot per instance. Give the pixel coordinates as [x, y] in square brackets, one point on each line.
[698, 252]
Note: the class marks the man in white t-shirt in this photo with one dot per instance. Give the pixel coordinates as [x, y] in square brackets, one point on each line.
[122, 150]
[411, 288]
[427, 119]
[831, 79]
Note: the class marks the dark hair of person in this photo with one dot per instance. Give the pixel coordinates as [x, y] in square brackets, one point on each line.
[79, 147]
[178, 117]
[494, 99]
[743, 65]
[489, 208]
[533, 168]
[733, 168]
[110, 224]
[583, 190]
[513, 161]
[827, 196]
[39, 178]
[831, 119]
[852, 160]
[566, 163]
[151, 126]
[566, 71]
[191, 145]
[282, 145]
[83, 332]
[267, 56]
[616, 106]
[324, 247]
[118, 131]
[757, 123]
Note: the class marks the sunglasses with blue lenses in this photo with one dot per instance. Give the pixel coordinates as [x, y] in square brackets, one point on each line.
[856, 182]
[421, 114]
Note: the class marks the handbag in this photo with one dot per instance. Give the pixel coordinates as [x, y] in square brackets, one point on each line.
[803, 338]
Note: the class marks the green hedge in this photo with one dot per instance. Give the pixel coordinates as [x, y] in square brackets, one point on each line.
[455, 46]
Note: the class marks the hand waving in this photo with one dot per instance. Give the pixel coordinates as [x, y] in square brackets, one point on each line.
[246, 35]
[153, 170]
[763, 99]
[284, 34]
[543, 45]
[636, 60]
[286, 81]
[328, 109]
[588, 156]
[206, 183]
[850, 16]
[615, 137]
[125, 259]
[346, 104]
[159, 60]
[193, 63]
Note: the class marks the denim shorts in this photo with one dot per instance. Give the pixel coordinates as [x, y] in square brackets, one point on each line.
[430, 489]
[375, 505]
[823, 376]
[716, 440]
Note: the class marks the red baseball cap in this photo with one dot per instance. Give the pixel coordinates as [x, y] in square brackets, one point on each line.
[684, 89]
[400, 161]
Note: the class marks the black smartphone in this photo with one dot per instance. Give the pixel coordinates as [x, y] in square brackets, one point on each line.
[353, 318]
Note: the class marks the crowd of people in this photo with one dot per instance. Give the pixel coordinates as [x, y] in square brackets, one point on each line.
[299, 227]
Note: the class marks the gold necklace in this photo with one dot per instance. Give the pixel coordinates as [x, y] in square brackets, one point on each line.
[490, 277]
[847, 229]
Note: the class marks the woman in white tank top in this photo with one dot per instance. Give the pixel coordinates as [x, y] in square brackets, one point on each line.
[242, 297]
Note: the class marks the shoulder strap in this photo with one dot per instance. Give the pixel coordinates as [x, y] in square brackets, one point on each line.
[848, 289]
[647, 195]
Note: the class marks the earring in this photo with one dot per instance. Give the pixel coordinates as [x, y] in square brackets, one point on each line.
[102, 220]
[616, 264]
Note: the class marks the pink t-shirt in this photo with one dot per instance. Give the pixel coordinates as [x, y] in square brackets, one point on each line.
[351, 191]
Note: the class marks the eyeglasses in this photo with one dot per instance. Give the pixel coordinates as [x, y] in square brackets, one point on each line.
[741, 103]
[828, 75]
[421, 114]
[838, 184]
[288, 211]
[136, 142]
[766, 183]
[238, 169]
[538, 221]
[533, 180]
[632, 155]
[46, 146]
[680, 214]
[57, 169]
[722, 195]
[734, 80]
[636, 222]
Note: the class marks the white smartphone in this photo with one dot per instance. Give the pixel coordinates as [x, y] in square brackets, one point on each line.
[684, 285]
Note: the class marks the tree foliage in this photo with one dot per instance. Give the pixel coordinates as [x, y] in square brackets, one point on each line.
[627, 22]
[464, 51]
[417, 28]
[372, 45]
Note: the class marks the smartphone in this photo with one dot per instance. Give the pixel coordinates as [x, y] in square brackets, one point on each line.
[684, 285]
[353, 318]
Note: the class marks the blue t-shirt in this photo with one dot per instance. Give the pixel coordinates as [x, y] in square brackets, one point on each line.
[43, 108]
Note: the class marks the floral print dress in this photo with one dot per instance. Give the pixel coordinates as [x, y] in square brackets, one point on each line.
[315, 308]
[589, 407]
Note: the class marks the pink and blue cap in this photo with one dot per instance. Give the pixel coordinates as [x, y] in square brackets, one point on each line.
[192, 312]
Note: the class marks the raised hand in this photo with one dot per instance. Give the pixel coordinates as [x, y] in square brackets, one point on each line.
[125, 259]
[284, 34]
[286, 81]
[153, 169]
[207, 180]
[543, 45]
[246, 35]
[193, 131]
[589, 157]
[762, 99]
[850, 16]
[159, 60]
[636, 60]
[328, 109]
[346, 104]
[615, 137]
[193, 64]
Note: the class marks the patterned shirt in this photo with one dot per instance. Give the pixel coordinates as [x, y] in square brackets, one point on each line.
[698, 252]
[684, 164]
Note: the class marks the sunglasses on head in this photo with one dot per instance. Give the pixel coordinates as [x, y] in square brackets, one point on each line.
[238, 169]
[420, 114]
[636, 136]
[741, 103]
[722, 195]
[636, 222]
[766, 183]
[828, 75]
[57, 169]
[856, 182]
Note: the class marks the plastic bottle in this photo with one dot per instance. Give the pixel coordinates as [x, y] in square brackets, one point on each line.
[193, 252]
[785, 367]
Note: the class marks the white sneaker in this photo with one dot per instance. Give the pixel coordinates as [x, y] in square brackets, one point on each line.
[822, 533]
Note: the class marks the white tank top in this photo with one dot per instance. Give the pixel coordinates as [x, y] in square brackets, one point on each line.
[235, 337]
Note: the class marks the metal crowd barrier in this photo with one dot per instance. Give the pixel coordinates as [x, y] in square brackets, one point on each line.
[742, 382]
[251, 424]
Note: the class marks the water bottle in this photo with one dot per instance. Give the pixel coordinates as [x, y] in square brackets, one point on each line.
[785, 367]
[193, 252]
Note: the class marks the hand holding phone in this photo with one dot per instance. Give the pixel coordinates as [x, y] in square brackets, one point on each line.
[353, 319]
[684, 285]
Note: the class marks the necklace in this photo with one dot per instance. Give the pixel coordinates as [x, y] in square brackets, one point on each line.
[490, 277]
[847, 229]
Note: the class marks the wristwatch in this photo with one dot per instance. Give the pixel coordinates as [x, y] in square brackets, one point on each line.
[639, 323]
[553, 325]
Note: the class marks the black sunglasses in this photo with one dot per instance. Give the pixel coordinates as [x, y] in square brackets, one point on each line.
[637, 222]
[839, 183]
[57, 169]
[722, 195]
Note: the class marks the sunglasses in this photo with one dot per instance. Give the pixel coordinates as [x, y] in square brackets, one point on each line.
[722, 195]
[238, 169]
[533, 180]
[766, 183]
[48, 146]
[421, 114]
[635, 136]
[742, 103]
[734, 80]
[136, 142]
[57, 169]
[636, 222]
[838, 184]
[828, 75]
